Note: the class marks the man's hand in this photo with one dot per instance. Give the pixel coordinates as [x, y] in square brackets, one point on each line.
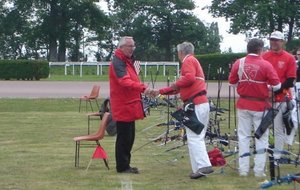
[154, 92]
[147, 92]
[151, 92]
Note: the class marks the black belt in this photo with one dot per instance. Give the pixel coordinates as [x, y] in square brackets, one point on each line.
[201, 93]
[255, 98]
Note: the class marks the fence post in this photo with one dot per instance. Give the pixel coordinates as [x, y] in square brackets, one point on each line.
[97, 68]
[145, 69]
[49, 69]
[66, 65]
[73, 69]
[81, 69]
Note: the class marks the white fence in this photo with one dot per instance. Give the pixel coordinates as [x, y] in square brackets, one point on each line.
[100, 66]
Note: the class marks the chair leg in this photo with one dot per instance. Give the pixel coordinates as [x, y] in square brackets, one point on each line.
[77, 147]
[91, 105]
[89, 117]
[85, 105]
[106, 164]
[104, 160]
[75, 153]
[79, 105]
[97, 104]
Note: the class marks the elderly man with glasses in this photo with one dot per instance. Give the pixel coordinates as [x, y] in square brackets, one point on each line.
[126, 103]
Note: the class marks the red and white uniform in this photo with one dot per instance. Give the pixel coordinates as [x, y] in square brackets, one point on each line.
[260, 73]
[191, 82]
[285, 65]
[252, 75]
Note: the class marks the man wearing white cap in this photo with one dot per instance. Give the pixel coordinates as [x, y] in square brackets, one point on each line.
[285, 65]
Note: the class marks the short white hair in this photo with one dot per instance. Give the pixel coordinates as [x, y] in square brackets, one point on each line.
[122, 40]
[186, 48]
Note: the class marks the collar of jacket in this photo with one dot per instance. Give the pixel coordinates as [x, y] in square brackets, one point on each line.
[123, 57]
[186, 57]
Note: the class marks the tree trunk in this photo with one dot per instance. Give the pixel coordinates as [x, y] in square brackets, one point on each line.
[62, 38]
[53, 50]
[53, 31]
[77, 36]
[291, 27]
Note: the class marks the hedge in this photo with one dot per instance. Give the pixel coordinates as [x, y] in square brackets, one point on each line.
[23, 69]
[211, 64]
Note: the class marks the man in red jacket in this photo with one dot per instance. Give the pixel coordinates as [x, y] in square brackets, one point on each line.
[191, 86]
[126, 102]
[252, 75]
[285, 65]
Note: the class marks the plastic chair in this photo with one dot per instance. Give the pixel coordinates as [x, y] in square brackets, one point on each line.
[93, 137]
[98, 115]
[93, 96]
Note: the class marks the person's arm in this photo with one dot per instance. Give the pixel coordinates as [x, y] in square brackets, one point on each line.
[124, 79]
[188, 75]
[169, 90]
[288, 83]
[233, 78]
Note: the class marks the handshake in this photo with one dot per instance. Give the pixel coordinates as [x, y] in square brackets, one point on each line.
[152, 93]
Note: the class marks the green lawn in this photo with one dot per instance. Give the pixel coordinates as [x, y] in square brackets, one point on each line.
[37, 153]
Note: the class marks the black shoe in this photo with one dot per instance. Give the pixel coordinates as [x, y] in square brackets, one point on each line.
[196, 175]
[131, 170]
[202, 172]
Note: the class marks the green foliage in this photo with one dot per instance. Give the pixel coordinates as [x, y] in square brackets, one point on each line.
[23, 69]
[158, 26]
[211, 64]
[293, 45]
[39, 25]
[259, 18]
[52, 29]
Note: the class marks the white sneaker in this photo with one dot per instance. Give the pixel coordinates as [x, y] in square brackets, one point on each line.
[260, 175]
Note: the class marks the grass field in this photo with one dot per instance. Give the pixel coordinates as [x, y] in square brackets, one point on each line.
[37, 153]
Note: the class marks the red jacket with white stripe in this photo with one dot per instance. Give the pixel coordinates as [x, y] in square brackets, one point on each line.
[191, 81]
[252, 85]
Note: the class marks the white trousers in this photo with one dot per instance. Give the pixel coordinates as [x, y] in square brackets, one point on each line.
[280, 131]
[196, 143]
[246, 121]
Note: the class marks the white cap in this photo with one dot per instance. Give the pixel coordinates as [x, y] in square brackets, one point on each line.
[277, 35]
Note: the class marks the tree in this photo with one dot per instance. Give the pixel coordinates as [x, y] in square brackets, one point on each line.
[158, 26]
[13, 25]
[259, 17]
[51, 24]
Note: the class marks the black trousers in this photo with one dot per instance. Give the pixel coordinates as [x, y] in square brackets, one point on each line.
[124, 143]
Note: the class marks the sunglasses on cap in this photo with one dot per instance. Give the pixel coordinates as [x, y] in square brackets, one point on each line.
[274, 39]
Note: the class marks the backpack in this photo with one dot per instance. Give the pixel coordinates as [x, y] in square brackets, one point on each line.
[111, 126]
[216, 157]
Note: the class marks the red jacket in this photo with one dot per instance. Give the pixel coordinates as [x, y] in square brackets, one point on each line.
[125, 89]
[285, 65]
[191, 81]
[253, 86]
